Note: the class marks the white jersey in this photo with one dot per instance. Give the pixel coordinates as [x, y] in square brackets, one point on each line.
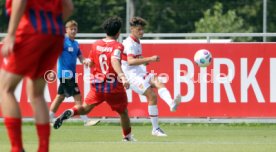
[137, 74]
[132, 47]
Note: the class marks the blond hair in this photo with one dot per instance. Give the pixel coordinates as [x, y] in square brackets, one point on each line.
[71, 23]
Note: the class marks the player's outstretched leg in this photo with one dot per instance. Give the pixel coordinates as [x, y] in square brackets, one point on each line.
[175, 103]
[166, 96]
[66, 115]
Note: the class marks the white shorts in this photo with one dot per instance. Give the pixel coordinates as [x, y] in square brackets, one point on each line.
[140, 83]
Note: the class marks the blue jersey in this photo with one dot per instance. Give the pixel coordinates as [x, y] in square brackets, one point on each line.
[67, 61]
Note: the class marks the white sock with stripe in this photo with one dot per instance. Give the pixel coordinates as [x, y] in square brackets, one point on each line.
[153, 113]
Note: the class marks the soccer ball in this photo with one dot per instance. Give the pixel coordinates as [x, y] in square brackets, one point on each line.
[203, 58]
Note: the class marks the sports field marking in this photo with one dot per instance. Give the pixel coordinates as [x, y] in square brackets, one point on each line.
[172, 143]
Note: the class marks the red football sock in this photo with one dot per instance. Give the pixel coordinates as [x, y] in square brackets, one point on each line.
[126, 131]
[14, 129]
[75, 110]
[43, 132]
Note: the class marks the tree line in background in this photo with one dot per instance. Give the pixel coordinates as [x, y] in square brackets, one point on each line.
[175, 16]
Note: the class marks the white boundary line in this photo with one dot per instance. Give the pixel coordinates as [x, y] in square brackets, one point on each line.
[173, 142]
[176, 120]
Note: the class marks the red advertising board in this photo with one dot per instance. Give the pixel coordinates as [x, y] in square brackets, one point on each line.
[240, 82]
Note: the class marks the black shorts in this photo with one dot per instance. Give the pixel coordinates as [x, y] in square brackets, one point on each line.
[68, 88]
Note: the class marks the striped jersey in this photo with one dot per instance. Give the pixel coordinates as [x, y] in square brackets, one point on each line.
[40, 16]
[104, 78]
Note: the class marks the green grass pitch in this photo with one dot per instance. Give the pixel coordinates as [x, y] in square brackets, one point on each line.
[106, 137]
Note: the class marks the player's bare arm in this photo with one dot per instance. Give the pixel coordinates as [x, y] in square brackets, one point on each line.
[18, 8]
[81, 58]
[116, 64]
[68, 8]
[88, 62]
[146, 60]
[85, 61]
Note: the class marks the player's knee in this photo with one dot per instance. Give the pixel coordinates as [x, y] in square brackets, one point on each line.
[152, 97]
[7, 88]
[34, 98]
[159, 84]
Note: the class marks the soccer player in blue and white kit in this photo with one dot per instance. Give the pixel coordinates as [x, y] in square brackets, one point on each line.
[66, 72]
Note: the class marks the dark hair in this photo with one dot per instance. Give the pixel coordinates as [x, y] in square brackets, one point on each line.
[112, 25]
[135, 21]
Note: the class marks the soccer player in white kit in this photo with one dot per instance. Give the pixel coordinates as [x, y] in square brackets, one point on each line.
[141, 82]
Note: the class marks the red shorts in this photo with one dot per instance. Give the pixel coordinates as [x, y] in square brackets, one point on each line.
[33, 55]
[117, 101]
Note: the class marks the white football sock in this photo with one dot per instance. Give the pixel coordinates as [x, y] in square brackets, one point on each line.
[84, 118]
[52, 115]
[166, 96]
[153, 113]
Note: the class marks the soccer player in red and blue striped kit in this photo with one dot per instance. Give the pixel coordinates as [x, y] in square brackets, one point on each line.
[33, 43]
